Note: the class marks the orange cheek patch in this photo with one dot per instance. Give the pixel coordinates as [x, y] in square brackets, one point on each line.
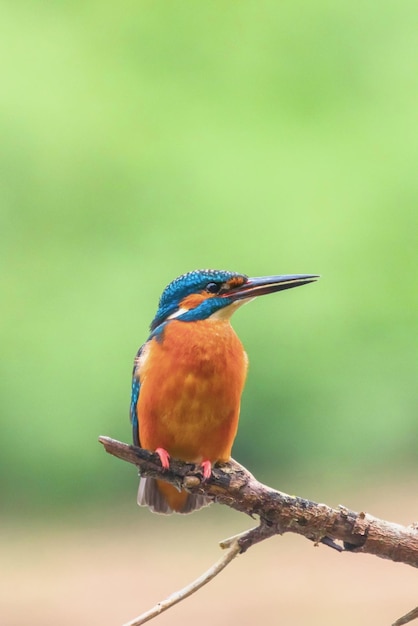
[235, 281]
[192, 301]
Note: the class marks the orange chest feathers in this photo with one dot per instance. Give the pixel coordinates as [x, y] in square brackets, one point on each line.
[191, 386]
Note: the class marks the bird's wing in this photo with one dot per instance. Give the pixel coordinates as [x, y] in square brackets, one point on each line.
[136, 387]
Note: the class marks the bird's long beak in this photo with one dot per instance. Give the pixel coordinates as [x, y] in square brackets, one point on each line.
[263, 285]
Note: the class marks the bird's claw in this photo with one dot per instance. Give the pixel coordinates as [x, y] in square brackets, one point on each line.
[206, 469]
[164, 457]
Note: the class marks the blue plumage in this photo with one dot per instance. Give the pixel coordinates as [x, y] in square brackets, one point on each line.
[136, 386]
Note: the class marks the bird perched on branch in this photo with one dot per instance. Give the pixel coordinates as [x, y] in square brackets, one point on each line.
[189, 375]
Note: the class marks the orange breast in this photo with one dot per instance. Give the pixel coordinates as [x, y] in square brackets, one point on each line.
[191, 385]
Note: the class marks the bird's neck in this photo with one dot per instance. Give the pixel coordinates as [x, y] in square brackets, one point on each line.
[212, 338]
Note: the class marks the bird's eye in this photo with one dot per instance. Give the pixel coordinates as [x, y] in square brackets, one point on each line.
[213, 287]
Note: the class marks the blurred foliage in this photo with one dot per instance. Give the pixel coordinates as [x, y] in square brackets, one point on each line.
[142, 140]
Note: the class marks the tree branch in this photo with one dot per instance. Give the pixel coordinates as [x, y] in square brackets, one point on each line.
[233, 485]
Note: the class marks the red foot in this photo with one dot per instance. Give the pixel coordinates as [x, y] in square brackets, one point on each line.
[164, 457]
[206, 469]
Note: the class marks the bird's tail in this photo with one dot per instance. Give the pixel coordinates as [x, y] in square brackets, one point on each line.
[163, 498]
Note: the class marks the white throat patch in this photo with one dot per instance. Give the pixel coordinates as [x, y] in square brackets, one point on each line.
[227, 311]
[179, 311]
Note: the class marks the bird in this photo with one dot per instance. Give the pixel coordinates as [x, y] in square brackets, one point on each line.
[189, 375]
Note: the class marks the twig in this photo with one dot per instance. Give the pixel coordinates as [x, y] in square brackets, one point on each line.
[234, 549]
[405, 619]
[234, 545]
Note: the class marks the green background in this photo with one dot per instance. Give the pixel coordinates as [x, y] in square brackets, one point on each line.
[141, 140]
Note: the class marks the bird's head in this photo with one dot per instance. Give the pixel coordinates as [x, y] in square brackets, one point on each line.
[202, 294]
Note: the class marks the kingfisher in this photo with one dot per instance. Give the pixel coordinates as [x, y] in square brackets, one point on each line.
[189, 375]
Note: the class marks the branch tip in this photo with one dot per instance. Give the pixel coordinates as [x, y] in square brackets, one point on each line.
[405, 619]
